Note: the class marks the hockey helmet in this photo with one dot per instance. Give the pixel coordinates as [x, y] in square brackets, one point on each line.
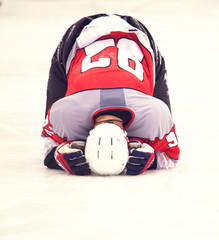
[106, 149]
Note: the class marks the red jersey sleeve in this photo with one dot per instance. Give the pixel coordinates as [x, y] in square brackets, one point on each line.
[169, 144]
[48, 131]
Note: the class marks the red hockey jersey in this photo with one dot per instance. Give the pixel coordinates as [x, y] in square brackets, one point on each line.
[115, 70]
[117, 60]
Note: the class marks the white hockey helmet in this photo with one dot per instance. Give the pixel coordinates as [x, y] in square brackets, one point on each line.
[106, 149]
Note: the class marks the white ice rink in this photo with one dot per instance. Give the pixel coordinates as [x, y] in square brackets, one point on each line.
[41, 204]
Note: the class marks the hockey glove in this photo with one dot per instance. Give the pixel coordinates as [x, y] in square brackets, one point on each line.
[140, 158]
[70, 157]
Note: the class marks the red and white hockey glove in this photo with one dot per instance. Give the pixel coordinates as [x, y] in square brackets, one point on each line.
[140, 158]
[70, 157]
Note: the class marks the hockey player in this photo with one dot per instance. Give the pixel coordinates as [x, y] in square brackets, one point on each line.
[108, 80]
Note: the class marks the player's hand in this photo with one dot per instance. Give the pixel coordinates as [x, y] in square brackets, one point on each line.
[140, 158]
[70, 157]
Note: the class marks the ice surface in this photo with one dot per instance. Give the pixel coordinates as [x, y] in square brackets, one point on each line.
[37, 203]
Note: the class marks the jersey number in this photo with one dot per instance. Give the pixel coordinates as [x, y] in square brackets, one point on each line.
[128, 51]
[172, 140]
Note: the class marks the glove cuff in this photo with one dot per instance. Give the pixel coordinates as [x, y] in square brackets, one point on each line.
[50, 161]
[59, 157]
[153, 165]
[149, 163]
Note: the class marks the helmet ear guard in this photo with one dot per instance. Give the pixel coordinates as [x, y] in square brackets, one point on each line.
[106, 149]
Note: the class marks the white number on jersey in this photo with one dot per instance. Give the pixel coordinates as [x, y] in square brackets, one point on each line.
[172, 140]
[128, 50]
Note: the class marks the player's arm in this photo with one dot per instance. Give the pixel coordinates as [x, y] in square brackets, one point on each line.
[159, 159]
[68, 156]
[161, 87]
[166, 150]
[141, 158]
[57, 83]
[161, 90]
[49, 152]
[62, 154]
